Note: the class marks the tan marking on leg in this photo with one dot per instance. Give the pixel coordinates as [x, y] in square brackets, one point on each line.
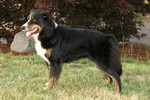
[50, 83]
[109, 79]
[48, 53]
[49, 68]
[116, 83]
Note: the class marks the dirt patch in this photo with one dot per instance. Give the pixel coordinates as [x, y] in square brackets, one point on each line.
[6, 49]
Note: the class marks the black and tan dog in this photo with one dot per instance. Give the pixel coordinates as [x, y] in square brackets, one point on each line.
[58, 44]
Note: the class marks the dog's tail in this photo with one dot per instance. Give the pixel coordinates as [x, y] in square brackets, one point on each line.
[114, 54]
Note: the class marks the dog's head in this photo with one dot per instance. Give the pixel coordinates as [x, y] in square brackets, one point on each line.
[39, 23]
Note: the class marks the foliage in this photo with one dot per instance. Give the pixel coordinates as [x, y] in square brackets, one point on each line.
[111, 16]
[13, 13]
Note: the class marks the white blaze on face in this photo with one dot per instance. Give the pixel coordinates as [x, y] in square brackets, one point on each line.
[26, 24]
[31, 29]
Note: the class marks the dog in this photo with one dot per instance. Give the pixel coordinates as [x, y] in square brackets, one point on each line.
[58, 44]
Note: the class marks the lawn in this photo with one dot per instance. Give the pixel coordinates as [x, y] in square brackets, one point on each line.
[23, 78]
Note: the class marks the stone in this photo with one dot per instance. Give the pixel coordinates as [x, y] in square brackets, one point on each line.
[3, 41]
[22, 44]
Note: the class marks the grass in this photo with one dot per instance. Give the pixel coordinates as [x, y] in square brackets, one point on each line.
[23, 78]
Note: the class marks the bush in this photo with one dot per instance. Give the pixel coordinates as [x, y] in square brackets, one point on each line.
[109, 16]
[13, 12]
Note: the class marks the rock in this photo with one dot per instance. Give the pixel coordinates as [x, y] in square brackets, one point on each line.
[22, 44]
[3, 41]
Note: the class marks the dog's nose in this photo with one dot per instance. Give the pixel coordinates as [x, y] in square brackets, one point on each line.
[22, 27]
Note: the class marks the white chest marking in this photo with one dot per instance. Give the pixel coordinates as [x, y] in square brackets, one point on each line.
[39, 49]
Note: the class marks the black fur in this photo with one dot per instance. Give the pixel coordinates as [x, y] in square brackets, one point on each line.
[69, 44]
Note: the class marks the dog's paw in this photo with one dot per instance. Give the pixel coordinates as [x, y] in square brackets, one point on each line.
[46, 86]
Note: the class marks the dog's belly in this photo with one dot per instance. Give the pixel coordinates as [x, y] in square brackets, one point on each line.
[41, 51]
[68, 57]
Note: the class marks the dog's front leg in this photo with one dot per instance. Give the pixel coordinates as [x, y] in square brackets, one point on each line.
[48, 67]
[54, 73]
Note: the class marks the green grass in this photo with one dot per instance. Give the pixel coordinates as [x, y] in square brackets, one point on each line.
[23, 78]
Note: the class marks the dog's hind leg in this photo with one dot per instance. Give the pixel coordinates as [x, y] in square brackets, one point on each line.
[109, 79]
[117, 67]
[114, 76]
[111, 73]
[54, 73]
[113, 56]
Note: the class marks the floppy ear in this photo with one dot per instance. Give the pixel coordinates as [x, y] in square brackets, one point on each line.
[47, 15]
[48, 37]
[47, 34]
[49, 20]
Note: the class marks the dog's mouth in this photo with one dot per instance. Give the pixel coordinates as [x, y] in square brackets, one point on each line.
[32, 31]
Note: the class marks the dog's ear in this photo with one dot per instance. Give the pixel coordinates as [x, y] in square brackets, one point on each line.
[48, 36]
[47, 15]
[49, 20]
[47, 33]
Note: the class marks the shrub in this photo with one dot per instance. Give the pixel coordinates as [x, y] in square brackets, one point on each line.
[109, 16]
[13, 12]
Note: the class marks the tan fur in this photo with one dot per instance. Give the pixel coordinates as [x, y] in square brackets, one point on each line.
[50, 83]
[48, 53]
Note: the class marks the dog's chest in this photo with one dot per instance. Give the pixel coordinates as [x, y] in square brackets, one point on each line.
[42, 52]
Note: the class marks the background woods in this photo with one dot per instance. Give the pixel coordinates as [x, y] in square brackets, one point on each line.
[111, 16]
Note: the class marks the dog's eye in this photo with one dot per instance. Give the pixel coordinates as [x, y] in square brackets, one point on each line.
[32, 17]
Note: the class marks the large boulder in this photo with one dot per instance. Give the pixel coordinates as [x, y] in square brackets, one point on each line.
[22, 44]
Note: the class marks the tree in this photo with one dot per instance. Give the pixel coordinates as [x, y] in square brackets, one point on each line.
[109, 16]
[13, 13]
